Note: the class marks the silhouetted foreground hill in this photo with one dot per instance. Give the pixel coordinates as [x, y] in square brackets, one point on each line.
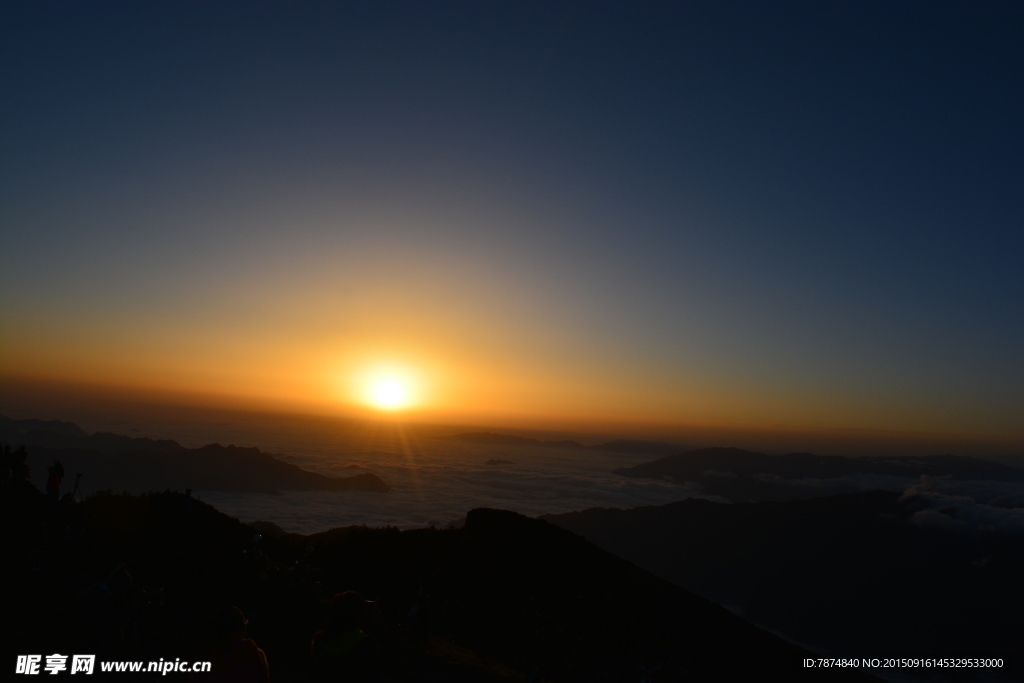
[862, 575]
[741, 475]
[123, 463]
[505, 598]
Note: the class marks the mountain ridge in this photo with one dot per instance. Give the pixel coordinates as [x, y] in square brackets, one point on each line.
[741, 475]
[138, 464]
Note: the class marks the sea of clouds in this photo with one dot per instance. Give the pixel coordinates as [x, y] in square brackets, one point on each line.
[434, 479]
[441, 494]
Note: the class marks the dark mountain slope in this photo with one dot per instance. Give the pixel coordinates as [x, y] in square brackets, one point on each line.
[505, 598]
[859, 574]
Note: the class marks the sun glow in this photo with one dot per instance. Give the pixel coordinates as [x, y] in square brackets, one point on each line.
[389, 394]
[389, 389]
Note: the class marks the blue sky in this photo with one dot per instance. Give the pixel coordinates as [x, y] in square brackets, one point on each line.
[789, 213]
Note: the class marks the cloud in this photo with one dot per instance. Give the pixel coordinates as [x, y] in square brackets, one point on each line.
[961, 513]
[440, 491]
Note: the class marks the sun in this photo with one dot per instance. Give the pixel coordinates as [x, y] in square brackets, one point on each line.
[389, 393]
[388, 388]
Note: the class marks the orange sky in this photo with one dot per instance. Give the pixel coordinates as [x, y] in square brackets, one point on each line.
[541, 232]
[456, 374]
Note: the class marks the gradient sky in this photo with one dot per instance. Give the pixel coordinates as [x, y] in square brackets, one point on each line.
[805, 214]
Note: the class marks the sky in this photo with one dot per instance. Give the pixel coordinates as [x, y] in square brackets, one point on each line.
[798, 214]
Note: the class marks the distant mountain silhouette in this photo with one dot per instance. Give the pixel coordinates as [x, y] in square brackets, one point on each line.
[54, 427]
[636, 446]
[617, 446]
[111, 461]
[510, 440]
[741, 475]
[506, 598]
[849, 574]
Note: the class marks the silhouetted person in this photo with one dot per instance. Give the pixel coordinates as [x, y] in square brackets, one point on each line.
[233, 657]
[56, 472]
[345, 649]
